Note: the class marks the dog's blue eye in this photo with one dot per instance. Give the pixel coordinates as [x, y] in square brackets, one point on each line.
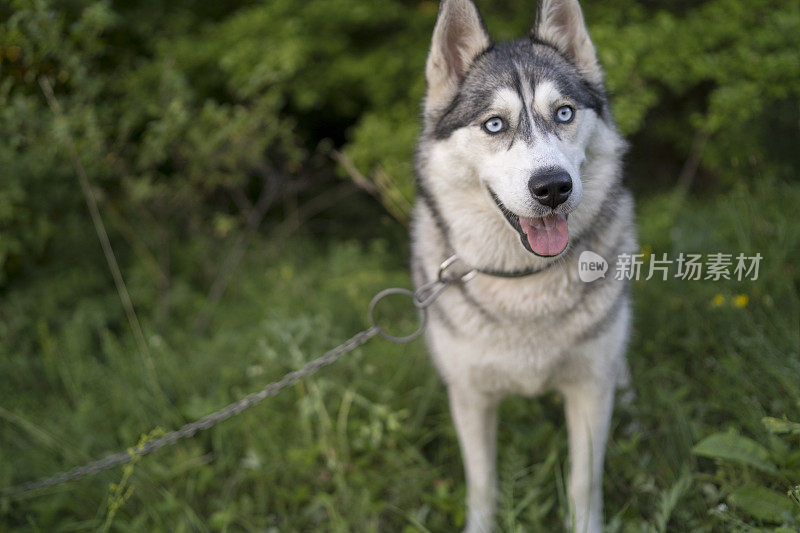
[565, 114]
[494, 125]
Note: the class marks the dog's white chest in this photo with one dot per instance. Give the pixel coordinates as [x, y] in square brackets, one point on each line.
[504, 343]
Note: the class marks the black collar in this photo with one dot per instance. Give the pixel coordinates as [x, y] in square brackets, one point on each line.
[514, 273]
[508, 274]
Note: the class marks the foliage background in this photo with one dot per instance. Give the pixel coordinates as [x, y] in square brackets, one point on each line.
[213, 134]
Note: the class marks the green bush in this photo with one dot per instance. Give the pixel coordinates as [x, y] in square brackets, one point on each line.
[171, 106]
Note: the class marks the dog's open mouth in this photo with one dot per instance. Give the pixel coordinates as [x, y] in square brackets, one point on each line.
[543, 236]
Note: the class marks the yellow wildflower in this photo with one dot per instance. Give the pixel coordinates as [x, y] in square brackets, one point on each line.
[718, 300]
[740, 301]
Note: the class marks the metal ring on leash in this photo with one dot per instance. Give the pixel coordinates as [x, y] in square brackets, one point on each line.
[464, 277]
[428, 292]
[423, 315]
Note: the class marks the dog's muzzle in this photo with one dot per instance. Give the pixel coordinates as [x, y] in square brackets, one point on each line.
[543, 236]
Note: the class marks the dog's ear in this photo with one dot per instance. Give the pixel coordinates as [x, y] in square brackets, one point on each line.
[458, 37]
[560, 23]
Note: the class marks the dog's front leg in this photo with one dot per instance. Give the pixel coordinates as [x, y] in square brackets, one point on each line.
[475, 419]
[588, 410]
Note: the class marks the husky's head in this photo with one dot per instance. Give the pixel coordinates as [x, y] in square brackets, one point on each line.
[512, 125]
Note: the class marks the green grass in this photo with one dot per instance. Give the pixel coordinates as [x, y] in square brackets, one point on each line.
[367, 444]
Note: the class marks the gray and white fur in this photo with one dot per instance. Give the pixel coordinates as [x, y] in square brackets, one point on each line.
[494, 336]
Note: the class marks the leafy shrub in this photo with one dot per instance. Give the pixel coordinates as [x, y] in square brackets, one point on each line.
[172, 105]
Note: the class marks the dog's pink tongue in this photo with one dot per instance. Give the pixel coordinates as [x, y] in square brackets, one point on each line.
[546, 236]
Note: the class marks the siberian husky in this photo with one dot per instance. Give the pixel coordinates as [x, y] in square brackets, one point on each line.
[518, 173]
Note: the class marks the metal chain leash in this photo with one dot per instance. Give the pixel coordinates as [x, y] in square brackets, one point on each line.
[423, 297]
[204, 423]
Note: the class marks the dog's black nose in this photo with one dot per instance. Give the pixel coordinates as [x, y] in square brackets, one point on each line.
[551, 186]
